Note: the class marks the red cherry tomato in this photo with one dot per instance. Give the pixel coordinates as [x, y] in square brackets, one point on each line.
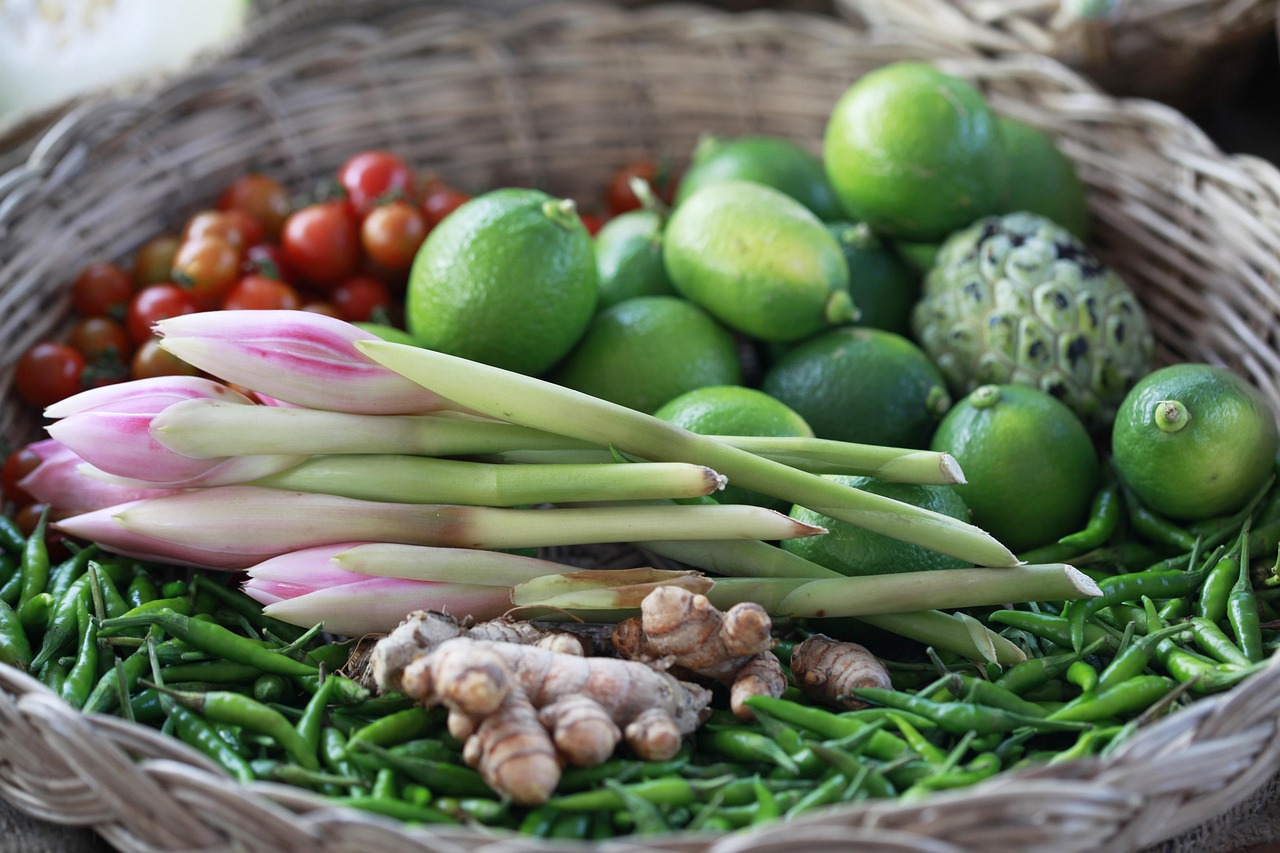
[101, 339]
[48, 372]
[102, 289]
[361, 298]
[235, 226]
[153, 262]
[371, 176]
[620, 198]
[155, 303]
[207, 267]
[17, 465]
[259, 292]
[392, 233]
[262, 197]
[325, 308]
[592, 222]
[28, 516]
[439, 200]
[268, 261]
[322, 242]
[151, 361]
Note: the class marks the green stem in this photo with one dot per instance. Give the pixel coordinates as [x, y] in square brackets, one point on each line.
[425, 479]
[425, 563]
[739, 559]
[543, 405]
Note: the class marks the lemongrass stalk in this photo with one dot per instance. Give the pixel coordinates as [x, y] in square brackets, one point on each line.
[426, 563]
[533, 402]
[425, 479]
[232, 524]
[603, 589]
[947, 632]
[378, 605]
[739, 559]
[206, 429]
[826, 456]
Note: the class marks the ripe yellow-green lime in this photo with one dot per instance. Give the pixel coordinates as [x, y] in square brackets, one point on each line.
[642, 352]
[862, 385]
[1029, 462]
[735, 410]
[508, 279]
[629, 258]
[914, 153]
[882, 286]
[1194, 440]
[769, 160]
[853, 551]
[1041, 178]
[759, 261]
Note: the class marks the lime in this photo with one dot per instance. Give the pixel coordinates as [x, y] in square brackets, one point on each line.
[644, 351]
[883, 287]
[735, 410]
[1041, 179]
[863, 385]
[758, 260]
[914, 153]
[629, 258]
[508, 279]
[1029, 462]
[851, 550]
[1194, 440]
[387, 333]
[769, 160]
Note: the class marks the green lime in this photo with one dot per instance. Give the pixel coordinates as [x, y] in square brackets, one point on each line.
[862, 385]
[508, 279]
[769, 160]
[388, 333]
[642, 352]
[1041, 178]
[914, 153]
[1030, 466]
[883, 288]
[1194, 440]
[629, 258]
[851, 550]
[735, 410]
[919, 257]
[758, 260]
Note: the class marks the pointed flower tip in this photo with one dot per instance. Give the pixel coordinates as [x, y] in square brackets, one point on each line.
[143, 396]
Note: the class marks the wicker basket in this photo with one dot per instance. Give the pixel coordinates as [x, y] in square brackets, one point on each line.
[1185, 53]
[557, 95]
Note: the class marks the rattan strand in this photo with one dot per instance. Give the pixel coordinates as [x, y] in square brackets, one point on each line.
[1181, 52]
[557, 95]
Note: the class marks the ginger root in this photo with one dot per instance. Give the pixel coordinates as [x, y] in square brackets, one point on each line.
[680, 629]
[828, 670]
[521, 710]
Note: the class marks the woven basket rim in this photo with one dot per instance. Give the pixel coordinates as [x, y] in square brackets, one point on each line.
[1248, 712]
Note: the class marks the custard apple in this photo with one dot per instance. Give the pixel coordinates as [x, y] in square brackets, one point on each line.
[1019, 299]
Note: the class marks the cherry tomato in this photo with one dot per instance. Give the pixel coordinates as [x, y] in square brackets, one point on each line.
[102, 289]
[361, 298]
[235, 226]
[207, 267]
[371, 176]
[325, 308]
[392, 233]
[267, 260]
[322, 242]
[17, 465]
[260, 292]
[620, 198]
[439, 200]
[28, 516]
[101, 338]
[151, 361]
[153, 262]
[48, 372]
[155, 303]
[262, 197]
[592, 222]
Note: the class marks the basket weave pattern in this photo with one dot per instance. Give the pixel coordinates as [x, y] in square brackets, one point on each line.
[1180, 52]
[557, 95]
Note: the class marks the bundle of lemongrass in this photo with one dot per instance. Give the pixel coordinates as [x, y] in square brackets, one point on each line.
[369, 479]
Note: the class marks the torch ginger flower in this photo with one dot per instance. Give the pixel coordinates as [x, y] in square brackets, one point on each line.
[60, 481]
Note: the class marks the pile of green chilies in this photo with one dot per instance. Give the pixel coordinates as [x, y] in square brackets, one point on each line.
[260, 698]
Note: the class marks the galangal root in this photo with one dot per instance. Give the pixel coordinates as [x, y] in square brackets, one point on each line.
[828, 671]
[523, 710]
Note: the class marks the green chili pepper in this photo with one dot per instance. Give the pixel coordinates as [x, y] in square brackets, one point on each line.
[141, 590]
[1104, 518]
[113, 603]
[827, 792]
[993, 695]
[181, 606]
[883, 745]
[1022, 678]
[35, 562]
[214, 639]
[246, 607]
[15, 649]
[748, 746]
[84, 672]
[11, 538]
[982, 767]
[958, 717]
[570, 825]
[871, 715]
[69, 570]
[648, 820]
[345, 692]
[388, 806]
[1125, 588]
[1055, 629]
[34, 615]
[585, 778]
[1054, 552]
[1154, 527]
[668, 791]
[332, 655]
[8, 568]
[1211, 602]
[411, 723]
[1242, 615]
[116, 682]
[1083, 675]
[292, 774]
[1205, 676]
[1214, 642]
[270, 687]
[196, 732]
[11, 590]
[313, 715]
[539, 821]
[1132, 660]
[212, 671]
[924, 747]
[220, 706]
[1121, 700]
[443, 776]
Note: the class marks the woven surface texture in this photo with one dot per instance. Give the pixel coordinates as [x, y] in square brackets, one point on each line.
[557, 95]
